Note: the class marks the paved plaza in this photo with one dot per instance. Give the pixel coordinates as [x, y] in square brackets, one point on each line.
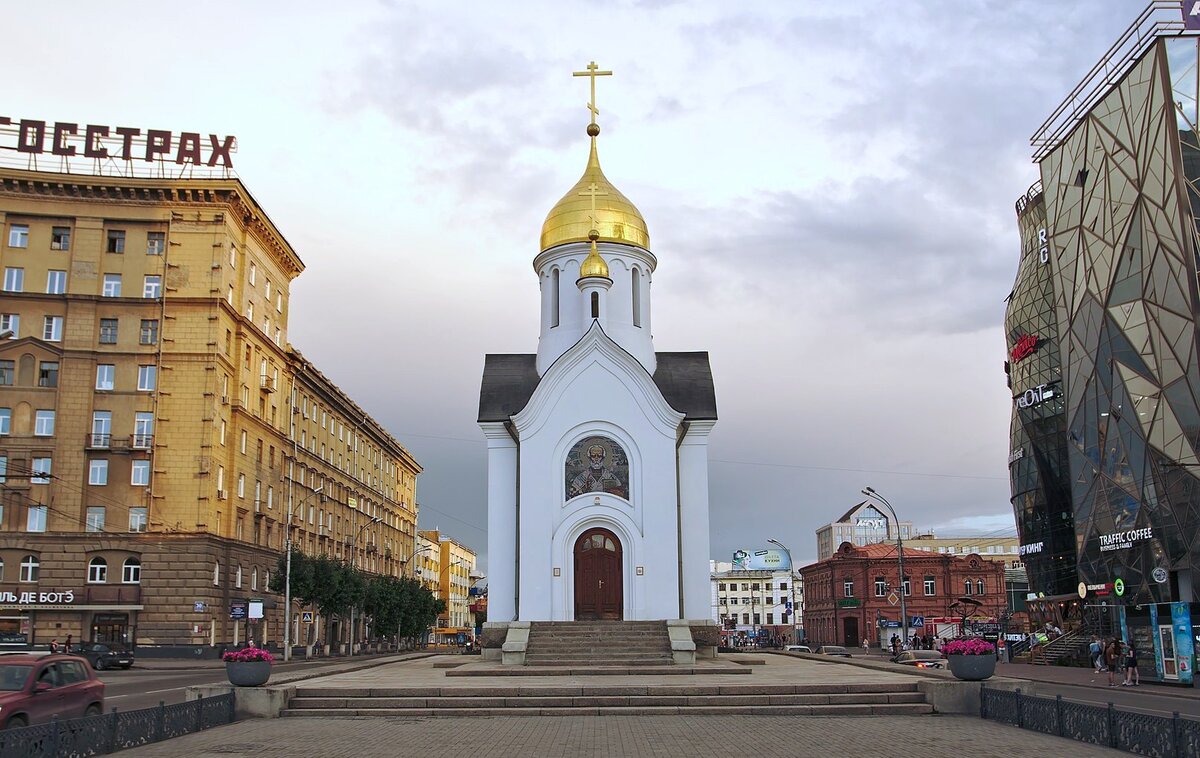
[588, 736]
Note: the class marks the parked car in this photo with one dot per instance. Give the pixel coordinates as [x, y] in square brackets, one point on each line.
[36, 689]
[799, 648]
[837, 650]
[105, 655]
[922, 659]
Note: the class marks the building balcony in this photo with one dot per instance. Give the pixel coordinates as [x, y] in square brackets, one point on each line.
[114, 444]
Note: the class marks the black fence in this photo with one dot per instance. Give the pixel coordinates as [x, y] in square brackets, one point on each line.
[110, 732]
[1140, 733]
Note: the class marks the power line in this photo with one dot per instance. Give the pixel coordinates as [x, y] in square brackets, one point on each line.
[932, 475]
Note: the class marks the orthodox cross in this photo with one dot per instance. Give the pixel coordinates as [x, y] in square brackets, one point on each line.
[592, 191]
[592, 73]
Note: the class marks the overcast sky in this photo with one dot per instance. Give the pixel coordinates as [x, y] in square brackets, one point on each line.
[829, 189]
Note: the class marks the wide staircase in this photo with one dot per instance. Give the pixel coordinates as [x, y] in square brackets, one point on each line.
[624, 699]
[579, 644]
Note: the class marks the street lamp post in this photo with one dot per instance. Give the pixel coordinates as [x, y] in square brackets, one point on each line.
[871, 493]
[352, 544]
[792, 584]
[287, 572]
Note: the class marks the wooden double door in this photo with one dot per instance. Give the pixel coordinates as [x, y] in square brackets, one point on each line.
[598, 576]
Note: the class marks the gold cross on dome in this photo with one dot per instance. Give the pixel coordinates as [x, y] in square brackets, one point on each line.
[592, 73]
[592, 191]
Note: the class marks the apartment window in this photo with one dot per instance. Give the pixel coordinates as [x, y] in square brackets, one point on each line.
[148, 335]
[3, 479]
[907, 586]
[108, 331]
[267, 289]
[56, 282]
[770, 618]
[5, 420]
[139, 475]
[221, 433]
[848, 588]
[101, 428]
[930, 585]
[36, 521]
[979, 587]
[241, 485]
[31, 567]
[14, 279]
[52, 328]
[237, 582]
[48, 374]
[250, 312]
[880, 586]
[143, 429]
[147, 377]
[229, 295]
[104, 376]
[152, 286]
[131, 571]
[41, 470]
[97, 570]
[112, 285]
[220, 478]
[7, 372]
[60, 238]
[116, 241]
[95, 518]
[232, 256]
[137, 519]
[156, 243]
[242, 443]
[270, 497]
[253, 273]
[43, 424]
[18, 235]
[98, 472]
[966, 586]
[10, 322]
[278, 336]
[279, 300]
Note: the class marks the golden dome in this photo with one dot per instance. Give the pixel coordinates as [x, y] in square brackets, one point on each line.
[593, 264]
[617, 219]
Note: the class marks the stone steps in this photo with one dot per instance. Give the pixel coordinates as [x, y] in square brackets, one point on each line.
[594, 669]
[867, 699]
[581, 644]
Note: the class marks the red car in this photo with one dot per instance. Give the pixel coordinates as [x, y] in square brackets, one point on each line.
[36, 689]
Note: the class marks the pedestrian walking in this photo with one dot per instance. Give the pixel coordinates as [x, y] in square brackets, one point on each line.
[1094, 651]
[1132, 679]
[1112, 659]
[54, 646]
[69, 638]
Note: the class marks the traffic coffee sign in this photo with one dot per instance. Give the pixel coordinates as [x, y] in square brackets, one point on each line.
[1119, 587]
[306, 617]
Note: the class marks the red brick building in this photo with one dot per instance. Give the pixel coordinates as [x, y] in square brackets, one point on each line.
[848, 594]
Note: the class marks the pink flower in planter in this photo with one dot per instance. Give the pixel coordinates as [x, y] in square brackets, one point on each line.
[969, 646]
[248, 655]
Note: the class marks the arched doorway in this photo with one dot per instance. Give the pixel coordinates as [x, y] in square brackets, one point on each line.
[598, 583]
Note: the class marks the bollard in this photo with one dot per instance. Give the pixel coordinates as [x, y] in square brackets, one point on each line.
[114, 725]
[199, 712]
[161, 725]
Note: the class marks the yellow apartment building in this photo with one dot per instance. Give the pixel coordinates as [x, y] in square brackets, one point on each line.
[157, 427]
[455, 567]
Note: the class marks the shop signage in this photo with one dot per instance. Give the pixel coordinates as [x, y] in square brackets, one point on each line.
[871, 523]
[1159, 574]
[37, 598]
[1098, 589]
[1026, 346]
[1016, 455]
[239, 610]
[1043, 246]
[1036, 396]
[1083, 589]
[1119, 587]
[101, 142]
[1124, 540]
[1031, 548]
[850, 602]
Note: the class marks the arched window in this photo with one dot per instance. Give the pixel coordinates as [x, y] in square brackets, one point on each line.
[554, 298]
[979, 587]
[97, 571]
[30, 568]
[131, 572]
[595, 305]
[216, 574]
[238, 579]
[254, 578]
[637, 297]
[967, 585]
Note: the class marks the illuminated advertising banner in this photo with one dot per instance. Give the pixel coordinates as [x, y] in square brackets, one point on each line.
[761, 560]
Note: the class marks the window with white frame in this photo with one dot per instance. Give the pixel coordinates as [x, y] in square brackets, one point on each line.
[880, 586]
[48, 374]
[156, 243]
[108, 331]
[930, 585]
[267, 290]
[131, 571]
[97, 571]
[14, 279]
[31, 568]
[36, 522]
[43, 423]
[95, 518]
[148, 334]
[147, 376]
[143, 429]
[101, 428]
[966, 586]
[237, 582]
[253, 273]
[56, 282]
[41, 470]
[11, 322]
[139, 474]
[979, 587]
[52, 328]
[229, 295]
[907, 586]
[152, 286]
[5, 420]
[60, 238]
[98, 472]
[848, 588]
[18, 235]
[105, 375]
[137, 519]
[241, 490]
[279, 300]
[112, 286]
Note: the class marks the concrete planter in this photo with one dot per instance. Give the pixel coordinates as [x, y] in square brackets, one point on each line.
[972, 668]
[248, 673]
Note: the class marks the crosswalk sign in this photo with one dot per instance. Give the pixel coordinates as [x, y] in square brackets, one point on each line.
[306, 617]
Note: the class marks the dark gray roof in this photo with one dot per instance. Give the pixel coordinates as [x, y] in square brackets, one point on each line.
[684, 379]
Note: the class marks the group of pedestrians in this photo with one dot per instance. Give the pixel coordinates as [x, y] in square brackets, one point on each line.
[1112, 656]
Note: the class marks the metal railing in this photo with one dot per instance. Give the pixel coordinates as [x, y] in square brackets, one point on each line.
[1140, 733]
[118, 730]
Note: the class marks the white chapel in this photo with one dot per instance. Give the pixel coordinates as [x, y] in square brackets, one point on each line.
[597, 444]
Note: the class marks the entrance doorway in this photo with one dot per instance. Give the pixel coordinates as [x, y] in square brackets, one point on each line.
[850, 636]
[110, 628]
[598, 582]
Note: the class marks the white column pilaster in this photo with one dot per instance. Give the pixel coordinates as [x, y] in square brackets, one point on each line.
[502, 522]
[693, 504]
